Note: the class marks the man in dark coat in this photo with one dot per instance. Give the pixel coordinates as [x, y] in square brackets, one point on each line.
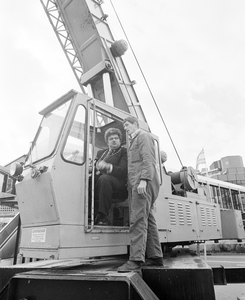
[111, 174]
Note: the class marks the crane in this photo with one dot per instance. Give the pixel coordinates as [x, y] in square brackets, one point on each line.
[72, 130]
[53, 186]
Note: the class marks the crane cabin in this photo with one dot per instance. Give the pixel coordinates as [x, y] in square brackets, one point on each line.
[56, 189]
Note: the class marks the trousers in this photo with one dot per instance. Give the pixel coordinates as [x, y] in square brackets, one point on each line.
[106, 187]
[143, 228]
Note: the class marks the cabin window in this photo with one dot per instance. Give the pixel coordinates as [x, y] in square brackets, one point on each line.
[74, 146]
[10, 186]
[48, 133]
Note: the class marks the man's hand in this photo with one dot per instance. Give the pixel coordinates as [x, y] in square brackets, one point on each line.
[142, 187]
[103, 166]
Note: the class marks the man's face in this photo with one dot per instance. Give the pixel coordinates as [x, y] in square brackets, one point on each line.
[129, 127]
[113, 141]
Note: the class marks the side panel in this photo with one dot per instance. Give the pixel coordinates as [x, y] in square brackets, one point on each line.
[186, 219]
[177, 217]
[68, 241]
[209, 220]
[38, 205]
[232, 225]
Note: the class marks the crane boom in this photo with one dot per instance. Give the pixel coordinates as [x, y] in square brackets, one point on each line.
[93, 54]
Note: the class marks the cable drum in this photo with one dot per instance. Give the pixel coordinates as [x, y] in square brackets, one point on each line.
[187, 177]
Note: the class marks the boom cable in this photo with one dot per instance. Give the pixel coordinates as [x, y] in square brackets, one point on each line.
[146, 82]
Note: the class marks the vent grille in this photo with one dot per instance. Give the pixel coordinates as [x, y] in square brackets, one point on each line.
[203, 216]
[208, 216]
[172, 213]
[188, 214]
[214, 218]
[180, 213]
[208, 213]
[4, 209]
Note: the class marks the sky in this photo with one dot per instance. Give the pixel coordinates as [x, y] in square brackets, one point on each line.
[191, 53]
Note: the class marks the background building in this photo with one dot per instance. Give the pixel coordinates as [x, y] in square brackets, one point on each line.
[230, 169]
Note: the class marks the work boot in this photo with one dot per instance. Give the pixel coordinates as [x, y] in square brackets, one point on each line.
[153, 261]
[129, 266]
[101, 220]
[104, 222]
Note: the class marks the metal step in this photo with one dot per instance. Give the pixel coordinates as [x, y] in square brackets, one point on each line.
[77, 285]
[181, 277]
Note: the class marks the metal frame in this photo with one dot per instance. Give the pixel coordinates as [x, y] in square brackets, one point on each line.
[126, 93]
[64, 38]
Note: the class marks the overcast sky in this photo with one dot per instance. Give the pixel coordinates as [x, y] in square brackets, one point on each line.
[192, 53]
